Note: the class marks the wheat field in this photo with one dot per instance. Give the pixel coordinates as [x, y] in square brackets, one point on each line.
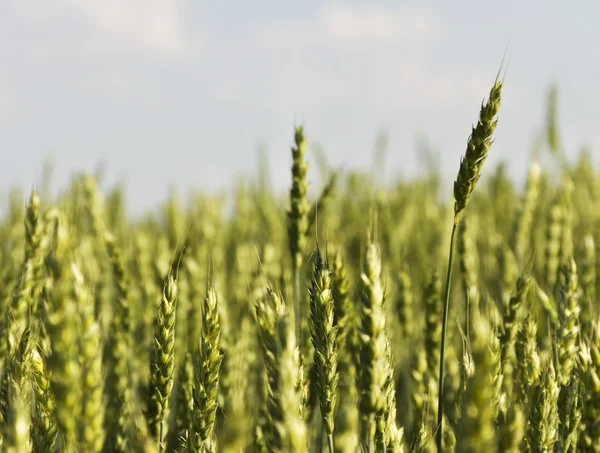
[396, 319]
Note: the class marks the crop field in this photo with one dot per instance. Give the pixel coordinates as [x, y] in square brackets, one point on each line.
[364, 319]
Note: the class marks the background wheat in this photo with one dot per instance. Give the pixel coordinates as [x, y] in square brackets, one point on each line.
[308, 322]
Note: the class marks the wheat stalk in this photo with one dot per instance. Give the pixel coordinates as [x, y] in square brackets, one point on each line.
[469, 173]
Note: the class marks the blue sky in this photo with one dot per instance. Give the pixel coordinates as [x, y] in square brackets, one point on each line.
[184, 92]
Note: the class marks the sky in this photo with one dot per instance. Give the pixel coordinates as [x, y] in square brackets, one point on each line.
[183, 93]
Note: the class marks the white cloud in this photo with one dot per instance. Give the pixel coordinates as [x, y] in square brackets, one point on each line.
[375, 58]
[356, 24]
[109, 26]
[153, 25]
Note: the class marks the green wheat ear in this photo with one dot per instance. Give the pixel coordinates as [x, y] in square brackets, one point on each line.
[542, 429]
[283, 430]
[324, 340]
[299, 207]
[162, 365]
[346, 415]
[44, 430]
[478, 146]
[373, 360]
[590, 359]
[569, 328]
[207, 372]
[298, 222]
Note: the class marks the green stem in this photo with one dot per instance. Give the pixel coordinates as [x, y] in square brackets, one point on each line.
[438, 434]
[330, 441]
[297, 306]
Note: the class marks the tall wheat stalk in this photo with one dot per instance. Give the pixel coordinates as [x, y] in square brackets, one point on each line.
[478, 146]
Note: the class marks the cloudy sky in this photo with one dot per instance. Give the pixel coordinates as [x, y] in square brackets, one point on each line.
[184, 92]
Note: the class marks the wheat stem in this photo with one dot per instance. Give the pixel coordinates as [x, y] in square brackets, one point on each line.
[440, 420]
